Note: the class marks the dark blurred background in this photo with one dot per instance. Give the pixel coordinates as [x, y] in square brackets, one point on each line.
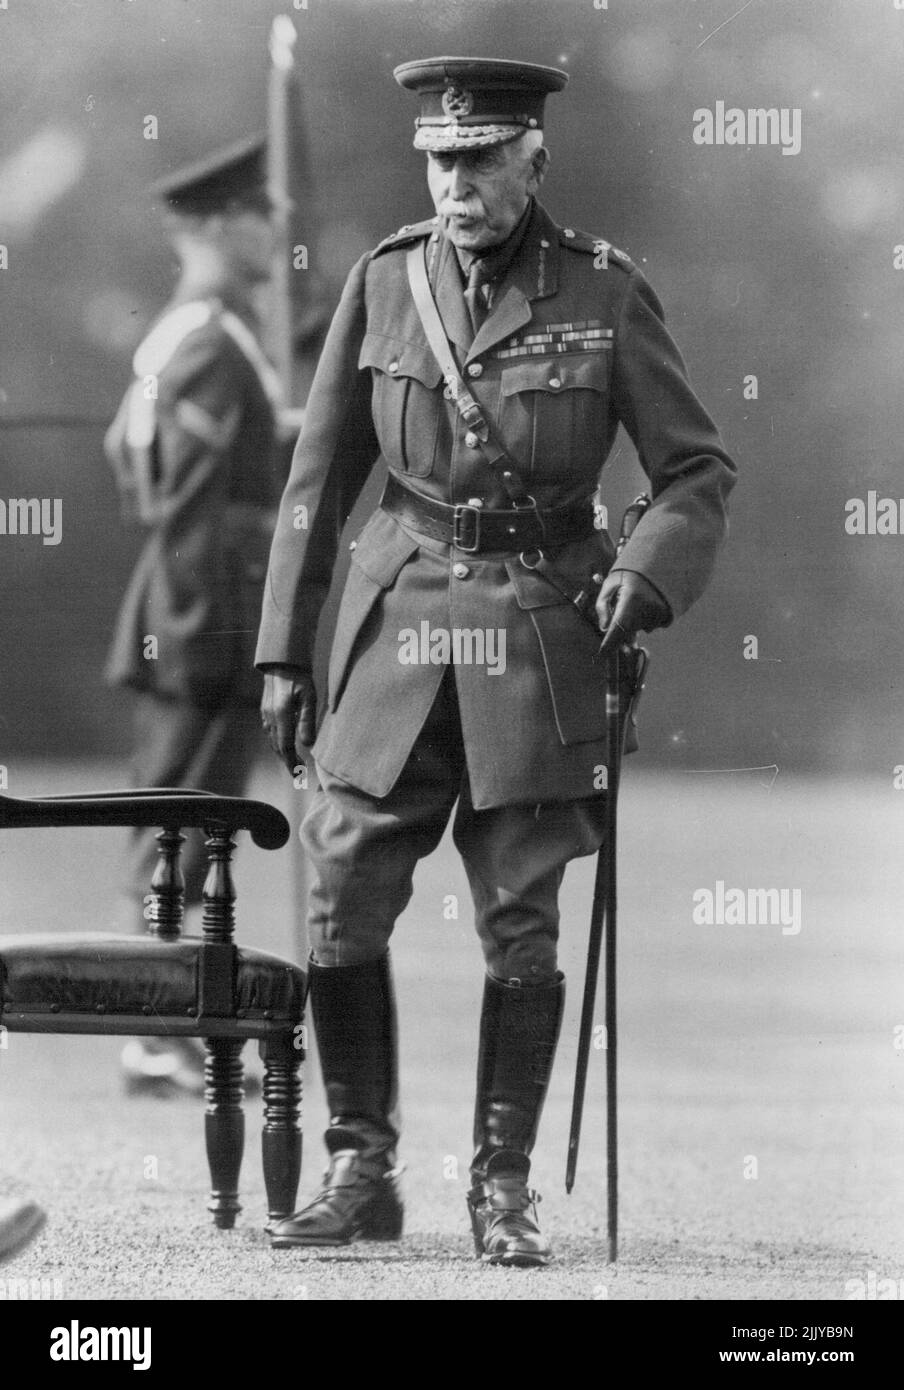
[772, 265]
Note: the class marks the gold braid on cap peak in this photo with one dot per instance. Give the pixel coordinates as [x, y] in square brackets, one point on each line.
[437, 135]
[461, 121]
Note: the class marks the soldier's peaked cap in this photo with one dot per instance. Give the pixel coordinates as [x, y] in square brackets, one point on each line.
[234, 177]
[467, 103]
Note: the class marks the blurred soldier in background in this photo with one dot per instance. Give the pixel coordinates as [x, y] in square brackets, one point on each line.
[193, 447]
[485, 530]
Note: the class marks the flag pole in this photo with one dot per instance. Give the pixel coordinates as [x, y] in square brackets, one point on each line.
[283, 132]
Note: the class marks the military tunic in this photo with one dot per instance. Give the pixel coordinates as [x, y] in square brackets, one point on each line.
[574, 343]
[193, 447]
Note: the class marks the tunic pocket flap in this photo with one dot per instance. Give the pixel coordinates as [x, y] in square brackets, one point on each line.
[396, 358]
[556, 375]
[531, 589]
[382, 549]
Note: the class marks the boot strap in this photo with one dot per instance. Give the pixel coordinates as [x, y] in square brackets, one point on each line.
[503, 1194]
[350, 1171]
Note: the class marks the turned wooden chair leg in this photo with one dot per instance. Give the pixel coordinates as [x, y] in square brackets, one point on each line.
[224, 1126]
[281, 1138]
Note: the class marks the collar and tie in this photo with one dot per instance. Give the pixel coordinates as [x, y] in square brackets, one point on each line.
[479, 277]
[484, 271]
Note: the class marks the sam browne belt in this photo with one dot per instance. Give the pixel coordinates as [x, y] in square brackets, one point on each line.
[477, 529]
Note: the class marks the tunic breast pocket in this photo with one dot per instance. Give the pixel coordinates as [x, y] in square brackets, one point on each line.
[555, 413]
[407, 402]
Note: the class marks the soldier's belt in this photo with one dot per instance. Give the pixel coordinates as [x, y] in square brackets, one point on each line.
[475, 529]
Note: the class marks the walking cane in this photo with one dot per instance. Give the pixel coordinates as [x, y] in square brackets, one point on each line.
[625, 672]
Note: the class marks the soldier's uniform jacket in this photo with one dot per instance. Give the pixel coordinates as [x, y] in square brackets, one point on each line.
[198, 466]
[574, 343]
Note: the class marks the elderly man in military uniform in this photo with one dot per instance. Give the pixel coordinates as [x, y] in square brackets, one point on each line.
[493, 434]
[193, 449]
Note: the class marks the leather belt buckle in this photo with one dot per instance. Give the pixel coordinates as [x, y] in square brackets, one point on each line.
[459, 533]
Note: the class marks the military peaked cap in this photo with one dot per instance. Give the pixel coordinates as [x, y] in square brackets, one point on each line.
[232, 177]
[467, 103]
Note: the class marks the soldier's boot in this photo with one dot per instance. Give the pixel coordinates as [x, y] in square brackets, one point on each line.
[353, 1009]
[519, 1029]
[19, 1224]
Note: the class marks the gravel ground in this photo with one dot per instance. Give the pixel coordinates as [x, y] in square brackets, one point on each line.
[761, 1118]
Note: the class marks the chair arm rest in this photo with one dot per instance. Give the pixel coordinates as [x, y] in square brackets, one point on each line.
[161, 806]
[130, 791]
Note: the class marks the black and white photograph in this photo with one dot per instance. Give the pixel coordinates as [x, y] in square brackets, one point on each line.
[451, 692]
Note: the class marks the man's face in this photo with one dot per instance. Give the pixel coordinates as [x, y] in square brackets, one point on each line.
[479, 195]
[248, 241]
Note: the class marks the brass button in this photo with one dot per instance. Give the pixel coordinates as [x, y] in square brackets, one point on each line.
[475, 369]
[460, 571]
[475, 501]
[555, 383]
[544, 243]
[471, 440]
[566, 231]
[393, 367]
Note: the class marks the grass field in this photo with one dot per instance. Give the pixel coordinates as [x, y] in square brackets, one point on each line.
[761, 1085]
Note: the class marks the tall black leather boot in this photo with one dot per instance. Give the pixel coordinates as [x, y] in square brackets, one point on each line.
[353, 1009]
[519, 1029]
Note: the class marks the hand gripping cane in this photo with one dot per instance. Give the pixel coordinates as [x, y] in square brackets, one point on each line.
[624, 680]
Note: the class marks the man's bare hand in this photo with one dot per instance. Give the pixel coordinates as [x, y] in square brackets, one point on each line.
[626, 604]
[289, 713]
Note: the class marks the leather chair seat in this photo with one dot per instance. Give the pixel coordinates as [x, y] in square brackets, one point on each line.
[107, 974]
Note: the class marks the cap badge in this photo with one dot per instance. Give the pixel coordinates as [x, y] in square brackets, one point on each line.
[457, 101]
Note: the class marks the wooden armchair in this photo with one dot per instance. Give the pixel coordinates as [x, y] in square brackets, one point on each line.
[166, 984]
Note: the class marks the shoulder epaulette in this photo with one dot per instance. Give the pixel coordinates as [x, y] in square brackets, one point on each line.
[594, 245]
[405, 236]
